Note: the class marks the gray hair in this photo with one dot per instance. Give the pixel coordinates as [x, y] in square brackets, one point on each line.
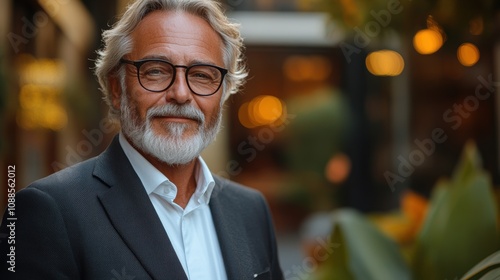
[117, 42]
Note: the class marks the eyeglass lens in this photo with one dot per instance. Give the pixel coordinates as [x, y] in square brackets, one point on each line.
[159, 75]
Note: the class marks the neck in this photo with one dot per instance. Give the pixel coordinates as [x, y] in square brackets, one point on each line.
[182, 176]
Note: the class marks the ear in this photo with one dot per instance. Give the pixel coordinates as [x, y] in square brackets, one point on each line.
[116, 91]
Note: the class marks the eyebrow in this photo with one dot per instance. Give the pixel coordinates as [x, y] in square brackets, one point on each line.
[154, 56]
[162, 57]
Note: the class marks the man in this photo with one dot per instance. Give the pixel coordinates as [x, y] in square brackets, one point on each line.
[148, 207]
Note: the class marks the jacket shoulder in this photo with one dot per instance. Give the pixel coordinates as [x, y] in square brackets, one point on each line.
[232, 188]
[75, 175]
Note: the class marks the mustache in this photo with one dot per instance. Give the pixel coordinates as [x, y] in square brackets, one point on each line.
[173, 110]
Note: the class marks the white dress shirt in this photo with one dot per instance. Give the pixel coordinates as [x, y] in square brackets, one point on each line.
[191, 230]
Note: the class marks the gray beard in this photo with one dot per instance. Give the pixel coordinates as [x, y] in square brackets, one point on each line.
[174, 149]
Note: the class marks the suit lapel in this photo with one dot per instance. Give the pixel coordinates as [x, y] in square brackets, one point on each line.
[231, 234]
[133, 216]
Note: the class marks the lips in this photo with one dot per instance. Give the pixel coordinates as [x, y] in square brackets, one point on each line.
[173, 118]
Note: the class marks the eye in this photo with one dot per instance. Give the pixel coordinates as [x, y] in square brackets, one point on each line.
[153, 72]
[156, 69]
[204, 74]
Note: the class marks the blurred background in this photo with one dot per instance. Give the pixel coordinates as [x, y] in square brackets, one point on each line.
[350, 104]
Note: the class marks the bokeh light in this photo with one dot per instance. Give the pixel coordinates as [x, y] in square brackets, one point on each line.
[40, 98]
[427, 41]
[468, 54]
[307, 68]
[385, 63]
[244, 117]
[338, 168]
[267, 109]
[262, 110]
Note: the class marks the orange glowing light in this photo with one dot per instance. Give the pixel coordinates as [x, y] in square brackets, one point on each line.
[244, 117]
[338, 168]
[468, 54]
[262, 110]
[307, 68]
[269, 109]
[385, 63]
[41, 83]
[427, 41]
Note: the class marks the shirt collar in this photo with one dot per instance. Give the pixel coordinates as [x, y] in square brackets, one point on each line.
[152, 178]
[205, 182]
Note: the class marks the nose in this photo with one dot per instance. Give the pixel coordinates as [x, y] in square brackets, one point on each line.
[179, 92]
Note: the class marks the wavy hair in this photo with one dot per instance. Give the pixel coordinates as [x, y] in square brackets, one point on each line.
[117, 42]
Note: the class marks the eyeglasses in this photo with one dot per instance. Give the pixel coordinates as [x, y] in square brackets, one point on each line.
[158, 75]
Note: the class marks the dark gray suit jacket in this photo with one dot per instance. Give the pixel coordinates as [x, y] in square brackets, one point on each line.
[94, 220]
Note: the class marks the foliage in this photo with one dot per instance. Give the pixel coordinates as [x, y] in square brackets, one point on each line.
[458, 230]
[454, 15]
[489, 268]
[364, 251]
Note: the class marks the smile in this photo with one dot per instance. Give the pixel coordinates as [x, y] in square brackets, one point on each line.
[177, 119]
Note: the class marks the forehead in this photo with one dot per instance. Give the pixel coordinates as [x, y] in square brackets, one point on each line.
[178, 36]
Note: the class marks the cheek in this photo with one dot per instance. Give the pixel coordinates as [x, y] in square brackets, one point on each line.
[212, 113]
[141, 101]
[137, 114]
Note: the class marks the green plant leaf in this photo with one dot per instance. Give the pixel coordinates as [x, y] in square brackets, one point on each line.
[460, 228]
[336, 266]
[365, 252]
[488, 266]
[491, 275]
[469, 164]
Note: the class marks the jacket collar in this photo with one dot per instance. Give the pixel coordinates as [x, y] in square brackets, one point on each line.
[231, 232]
[133, 216]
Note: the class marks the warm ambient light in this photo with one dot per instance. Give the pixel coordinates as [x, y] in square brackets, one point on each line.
[427, 41]
[338, 168]
[40, 107]
[262, 110]
[41, 83]
[385, 63]
[468, 54]
[267, 109]
[476, 26]
[307, 68]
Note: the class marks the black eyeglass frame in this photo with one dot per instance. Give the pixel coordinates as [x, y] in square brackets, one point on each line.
[139, 63]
